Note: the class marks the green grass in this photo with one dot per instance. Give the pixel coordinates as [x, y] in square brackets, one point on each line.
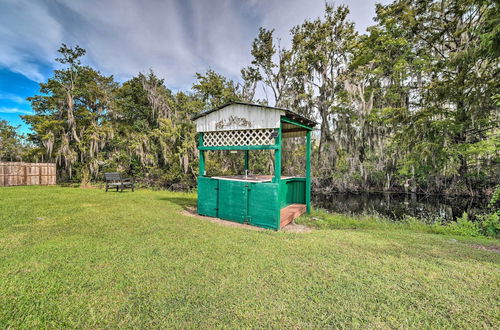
[462, 229]
[84, 258]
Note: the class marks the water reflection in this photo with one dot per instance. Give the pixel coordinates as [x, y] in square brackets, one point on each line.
[395, 206]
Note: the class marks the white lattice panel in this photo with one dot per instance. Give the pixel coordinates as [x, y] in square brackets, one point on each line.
[248, 137]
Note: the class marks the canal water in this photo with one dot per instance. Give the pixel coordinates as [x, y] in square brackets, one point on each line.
[427, 208]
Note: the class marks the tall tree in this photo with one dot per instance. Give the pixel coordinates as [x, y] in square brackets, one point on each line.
[68, 114]
[215, 89]
[272, 65]
[323, 50]
[453, 122]
[11, 146]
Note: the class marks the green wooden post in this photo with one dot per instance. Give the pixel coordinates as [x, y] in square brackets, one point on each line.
[277, 176]
[247, 156]
[308, 172]
[277, 158]
[202, 155]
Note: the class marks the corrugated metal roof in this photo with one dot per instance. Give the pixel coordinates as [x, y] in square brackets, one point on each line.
[288, 113]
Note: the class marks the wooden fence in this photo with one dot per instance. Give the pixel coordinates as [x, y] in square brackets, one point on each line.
[20, 174]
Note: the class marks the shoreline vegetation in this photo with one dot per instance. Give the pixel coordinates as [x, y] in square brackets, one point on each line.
[486, 227]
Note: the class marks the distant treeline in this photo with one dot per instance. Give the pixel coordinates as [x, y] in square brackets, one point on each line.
[411, 105]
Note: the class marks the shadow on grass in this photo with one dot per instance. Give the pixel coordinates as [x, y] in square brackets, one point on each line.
[114, 191]
[184, 202]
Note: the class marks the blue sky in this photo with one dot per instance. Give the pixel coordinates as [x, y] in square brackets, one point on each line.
[123, 37]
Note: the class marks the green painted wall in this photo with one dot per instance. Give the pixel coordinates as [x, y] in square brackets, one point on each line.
[257, 203]
[207, 196]
[233, 200]
[292, 191]
[263, 204]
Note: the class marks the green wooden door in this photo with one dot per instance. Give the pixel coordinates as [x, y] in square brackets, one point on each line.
[233, 200]
[263, 205]
[207, 196]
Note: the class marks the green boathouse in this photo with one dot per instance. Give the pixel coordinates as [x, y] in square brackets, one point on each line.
[269, 201]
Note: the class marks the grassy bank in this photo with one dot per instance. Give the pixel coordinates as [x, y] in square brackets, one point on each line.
[484, 230]
[84, 258]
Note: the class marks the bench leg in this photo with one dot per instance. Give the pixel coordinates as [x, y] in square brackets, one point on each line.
[132, 187]
[106, 187]
[117, 188]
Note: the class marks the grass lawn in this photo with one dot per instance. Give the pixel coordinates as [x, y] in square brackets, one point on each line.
[74, 257]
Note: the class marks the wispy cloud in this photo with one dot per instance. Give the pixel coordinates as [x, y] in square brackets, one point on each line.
[30, 35]
[12, 97]
[175, 38]
[15, 110]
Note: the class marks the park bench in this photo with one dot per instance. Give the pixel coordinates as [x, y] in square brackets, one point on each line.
[116, 180]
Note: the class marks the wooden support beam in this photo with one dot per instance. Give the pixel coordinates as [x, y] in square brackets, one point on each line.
[247, 158]
[298, 129]
[308, 172]
[202, 156]
[277, 172]
[296, 123]
[277, 157]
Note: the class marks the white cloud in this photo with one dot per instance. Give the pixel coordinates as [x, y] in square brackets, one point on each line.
[174, 38]
[15, 110]
[29, 35]
[13, 98]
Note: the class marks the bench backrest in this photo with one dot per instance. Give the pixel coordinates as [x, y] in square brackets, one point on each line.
[113, 176]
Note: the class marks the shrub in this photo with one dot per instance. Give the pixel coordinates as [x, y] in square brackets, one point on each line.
[490, 224]
[464, 227]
